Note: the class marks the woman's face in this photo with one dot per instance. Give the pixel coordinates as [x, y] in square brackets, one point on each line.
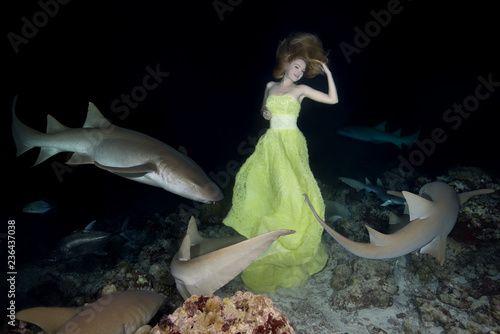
[295, 70]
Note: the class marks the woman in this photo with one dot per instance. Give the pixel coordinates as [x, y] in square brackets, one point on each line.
[269, 186]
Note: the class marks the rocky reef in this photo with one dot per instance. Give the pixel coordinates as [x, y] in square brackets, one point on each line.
[364, 284]
[242, 313]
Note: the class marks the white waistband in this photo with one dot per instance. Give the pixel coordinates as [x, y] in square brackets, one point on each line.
[283, 122]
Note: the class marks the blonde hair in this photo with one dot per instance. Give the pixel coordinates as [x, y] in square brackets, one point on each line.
[300, 46]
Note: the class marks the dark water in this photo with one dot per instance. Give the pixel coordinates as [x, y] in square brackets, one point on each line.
[413, 68]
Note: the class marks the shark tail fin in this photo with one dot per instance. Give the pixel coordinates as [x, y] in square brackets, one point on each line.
[50, 319]
[22, 133]
[26, 138]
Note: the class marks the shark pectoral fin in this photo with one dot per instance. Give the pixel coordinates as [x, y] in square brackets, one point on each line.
[145, 168]
[418, 207]
[221, 266]
[377, 238]
[464, 197]
[80, 159]
[436, 248]
[50, 319]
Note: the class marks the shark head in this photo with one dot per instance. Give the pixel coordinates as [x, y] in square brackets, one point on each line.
[187, 179]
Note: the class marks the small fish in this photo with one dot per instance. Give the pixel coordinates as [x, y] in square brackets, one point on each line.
[38, 207]
[84, 242]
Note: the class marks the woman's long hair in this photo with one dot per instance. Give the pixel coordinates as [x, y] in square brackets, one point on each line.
[301, 46]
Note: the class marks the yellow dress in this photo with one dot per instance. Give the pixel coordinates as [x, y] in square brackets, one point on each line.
[268, 195]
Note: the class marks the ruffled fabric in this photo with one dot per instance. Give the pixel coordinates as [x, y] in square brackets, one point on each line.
[268, 195]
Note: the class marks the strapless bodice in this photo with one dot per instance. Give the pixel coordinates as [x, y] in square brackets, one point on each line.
[284, 110]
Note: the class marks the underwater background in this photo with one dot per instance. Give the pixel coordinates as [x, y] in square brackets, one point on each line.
[412, 69]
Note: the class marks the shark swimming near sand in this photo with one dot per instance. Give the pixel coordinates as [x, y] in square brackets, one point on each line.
[378, 135]
[202, 265]
[433, 214]
[117, 313]
[127, 153]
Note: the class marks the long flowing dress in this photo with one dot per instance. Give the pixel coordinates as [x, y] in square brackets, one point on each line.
[268, 195]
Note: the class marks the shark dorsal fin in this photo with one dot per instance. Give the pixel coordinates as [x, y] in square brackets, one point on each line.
[397, 133]
[418, 207]
[381, 126]
[90, 226]
[193, 233]
[50, 319]
[379, 182]
[464, 197]
[95, 119]
[377, 238]
[54, 126]
[367, 182]
[436, 248]
[185, 249]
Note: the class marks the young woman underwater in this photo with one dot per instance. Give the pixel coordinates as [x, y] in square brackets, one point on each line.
[269, 186]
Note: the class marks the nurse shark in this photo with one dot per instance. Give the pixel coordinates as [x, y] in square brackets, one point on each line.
[127, 153]
[433, 214]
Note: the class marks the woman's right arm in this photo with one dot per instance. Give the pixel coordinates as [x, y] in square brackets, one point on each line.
[265, 113]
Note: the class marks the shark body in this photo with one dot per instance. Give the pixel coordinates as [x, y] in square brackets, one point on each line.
[201, 266]
[87, 241]
[117, 313]
[378, 135]
[433, 214]
[377, 188]
[130, 154]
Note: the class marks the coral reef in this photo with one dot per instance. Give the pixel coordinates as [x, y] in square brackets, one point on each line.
[242, 313]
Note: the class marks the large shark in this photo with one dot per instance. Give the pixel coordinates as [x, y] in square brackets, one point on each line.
[378, 135]
[377, 188]
[202, 265]
[117, 313]
[124, 152]
[433, 214]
